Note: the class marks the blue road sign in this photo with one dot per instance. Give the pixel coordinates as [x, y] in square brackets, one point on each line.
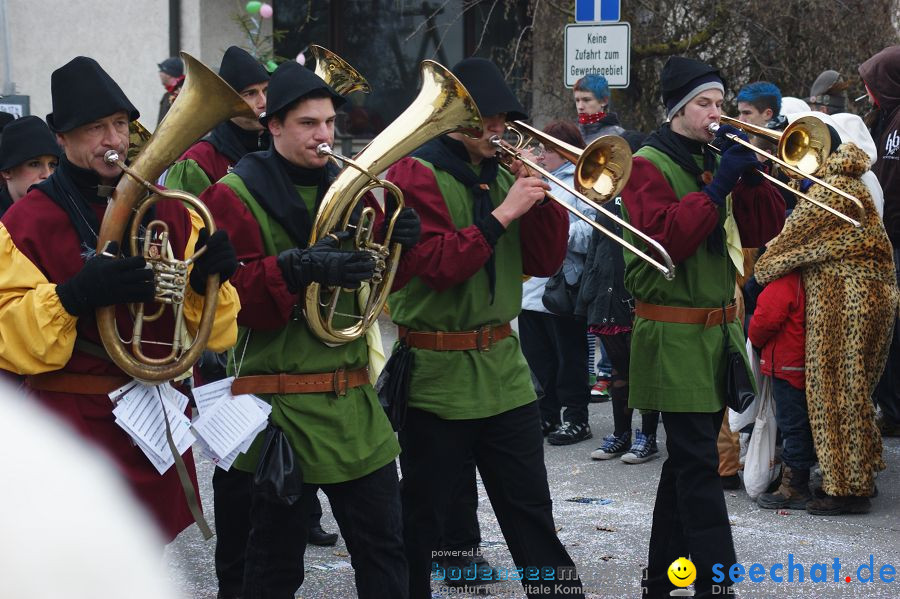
[598, 11]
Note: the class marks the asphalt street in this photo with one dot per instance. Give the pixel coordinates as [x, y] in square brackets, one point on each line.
[608, 539]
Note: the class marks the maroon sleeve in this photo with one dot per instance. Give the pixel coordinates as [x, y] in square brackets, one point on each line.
[266, 302]
[445, 256]
[759, 212]
[544, 236]
[210, 161]
[680, 225]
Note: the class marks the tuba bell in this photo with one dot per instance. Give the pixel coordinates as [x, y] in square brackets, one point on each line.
[205, 101]
[337, 72]
[443, 105]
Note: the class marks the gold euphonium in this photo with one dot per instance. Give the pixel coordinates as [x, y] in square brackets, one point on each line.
[205, 101]
[442, 106]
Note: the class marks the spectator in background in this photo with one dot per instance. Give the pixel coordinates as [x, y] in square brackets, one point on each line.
[881, 75]
[591, 94]
[759, 102]
[778, 331]
[828, 93]
[171, 75]
[555, 345]
[28, 155]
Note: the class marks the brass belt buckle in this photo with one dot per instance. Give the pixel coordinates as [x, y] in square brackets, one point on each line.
[340, 375]
[479, 345]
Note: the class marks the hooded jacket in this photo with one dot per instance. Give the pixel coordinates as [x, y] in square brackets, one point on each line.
[881, 74]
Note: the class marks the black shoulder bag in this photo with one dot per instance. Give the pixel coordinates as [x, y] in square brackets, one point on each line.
[278, 471]
[739, 393]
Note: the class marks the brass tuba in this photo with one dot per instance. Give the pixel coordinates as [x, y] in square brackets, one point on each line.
[204, 101]
[442, 106]
[337, 72]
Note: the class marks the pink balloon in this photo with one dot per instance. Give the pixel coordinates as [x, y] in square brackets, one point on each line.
[301, 58]
[265, 11]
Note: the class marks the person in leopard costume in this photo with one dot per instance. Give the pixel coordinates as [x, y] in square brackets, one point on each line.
[851, 303]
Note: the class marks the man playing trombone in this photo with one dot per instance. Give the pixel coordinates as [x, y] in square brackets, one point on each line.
[702, 213]
[470, 391]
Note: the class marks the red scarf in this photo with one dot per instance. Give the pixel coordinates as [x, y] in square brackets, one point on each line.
[590, 119]
[172, 87]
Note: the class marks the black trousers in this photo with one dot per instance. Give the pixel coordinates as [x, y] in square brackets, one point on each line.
[509, 452]
[461, 529]
[367, 511]
[887, 392]
[690, 518]
[556, 350]
[231, 507]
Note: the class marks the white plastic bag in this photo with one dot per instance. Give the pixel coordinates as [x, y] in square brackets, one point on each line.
[759, 466]
[736, 420]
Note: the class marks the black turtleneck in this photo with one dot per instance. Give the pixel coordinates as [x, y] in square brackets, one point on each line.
[86, 181]
[250, 140]
[305, 177]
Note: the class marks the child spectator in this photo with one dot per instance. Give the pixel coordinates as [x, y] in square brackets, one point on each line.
[778, 331]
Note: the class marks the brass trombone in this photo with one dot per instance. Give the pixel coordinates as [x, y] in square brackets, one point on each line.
[802, 149]
[601, 171]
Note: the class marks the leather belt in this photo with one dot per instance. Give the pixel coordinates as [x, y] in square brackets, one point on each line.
[337, 382]
[483, 339]
[79, 384]
[683, 315]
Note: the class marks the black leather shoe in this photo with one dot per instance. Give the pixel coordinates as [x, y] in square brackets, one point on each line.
[317, 536]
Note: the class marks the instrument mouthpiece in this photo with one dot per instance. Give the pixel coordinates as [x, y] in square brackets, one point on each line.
[111, 156]
[323, 150]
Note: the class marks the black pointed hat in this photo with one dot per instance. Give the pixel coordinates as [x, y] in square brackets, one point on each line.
[290, 82]
[240, 70]
[24, 139]
[486, 84]
[83, 92]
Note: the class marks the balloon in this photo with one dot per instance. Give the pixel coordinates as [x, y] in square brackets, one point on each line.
[271, 65]
[265, 11]
[253, 6]
[301, 58]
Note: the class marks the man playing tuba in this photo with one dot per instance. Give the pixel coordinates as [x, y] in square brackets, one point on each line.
[52, 281]
[322, 401]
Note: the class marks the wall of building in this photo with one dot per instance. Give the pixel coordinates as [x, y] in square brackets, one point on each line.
[127, 38]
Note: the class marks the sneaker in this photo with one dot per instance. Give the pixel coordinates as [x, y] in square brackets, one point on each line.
[642, 450]
[569, 433]
[600, 391]
[548, 427]
[612, 446]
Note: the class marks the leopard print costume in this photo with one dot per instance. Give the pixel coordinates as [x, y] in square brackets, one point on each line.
[851, 303]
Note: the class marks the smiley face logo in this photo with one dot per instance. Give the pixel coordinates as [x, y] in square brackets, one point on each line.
[682, 572]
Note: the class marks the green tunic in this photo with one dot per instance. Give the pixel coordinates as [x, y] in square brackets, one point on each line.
[457, 385]
[679, 367]
[336, 439]
[187, 175]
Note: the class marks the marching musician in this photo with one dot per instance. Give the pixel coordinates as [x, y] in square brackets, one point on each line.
[470, 390]
[322, 400]
[52, 281]
[702, 213]
[28, 155]
[212, 157]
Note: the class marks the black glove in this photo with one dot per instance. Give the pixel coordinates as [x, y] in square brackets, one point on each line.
[723, 142]
[218, 259]
[325, 263]
[735, 162]
[407, 228]
[106, 281]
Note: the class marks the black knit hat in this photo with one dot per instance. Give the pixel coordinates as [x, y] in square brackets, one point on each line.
[83, 92]
[485, 83]
[24, 139]
[240, 70]
[172, 66]
[683, 78]
[290, 82]
[5, 119]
